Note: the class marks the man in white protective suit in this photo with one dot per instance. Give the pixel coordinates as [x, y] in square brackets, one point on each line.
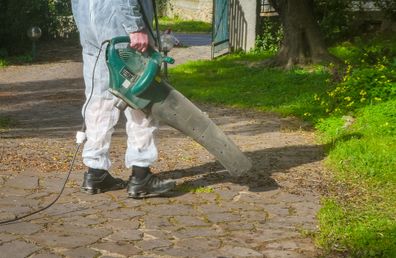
[98, 21]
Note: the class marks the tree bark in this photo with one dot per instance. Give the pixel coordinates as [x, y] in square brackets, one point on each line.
[302, 42]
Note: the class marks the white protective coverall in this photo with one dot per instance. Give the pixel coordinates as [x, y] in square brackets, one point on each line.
[97, 21]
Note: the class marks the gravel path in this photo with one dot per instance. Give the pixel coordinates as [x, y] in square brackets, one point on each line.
[269, 213]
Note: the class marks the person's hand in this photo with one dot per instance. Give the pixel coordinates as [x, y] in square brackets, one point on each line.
[139, 40]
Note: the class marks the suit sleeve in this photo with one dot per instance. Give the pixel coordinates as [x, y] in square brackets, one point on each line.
[132, 19]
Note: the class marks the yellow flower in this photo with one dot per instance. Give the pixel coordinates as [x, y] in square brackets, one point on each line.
[347, 98]
[350, 104]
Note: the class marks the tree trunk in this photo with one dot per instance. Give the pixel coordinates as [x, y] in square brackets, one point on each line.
[302, 42]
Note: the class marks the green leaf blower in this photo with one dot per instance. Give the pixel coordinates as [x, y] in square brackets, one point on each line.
[135, 79]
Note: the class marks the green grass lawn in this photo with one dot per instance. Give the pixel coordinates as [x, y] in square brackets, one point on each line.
[358, 215]
[230, 81]
[178, 25]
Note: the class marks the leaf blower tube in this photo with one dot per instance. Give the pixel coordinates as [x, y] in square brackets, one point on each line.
[172, 108]
[134, 78]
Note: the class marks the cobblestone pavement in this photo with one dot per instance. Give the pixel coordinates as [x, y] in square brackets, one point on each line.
[268, 213]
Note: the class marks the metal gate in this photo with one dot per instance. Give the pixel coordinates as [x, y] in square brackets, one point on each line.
[220, 31]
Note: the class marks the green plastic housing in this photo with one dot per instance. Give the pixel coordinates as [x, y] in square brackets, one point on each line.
[131, 72]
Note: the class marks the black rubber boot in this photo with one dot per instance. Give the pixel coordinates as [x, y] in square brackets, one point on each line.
[150, 185]
[100, 181]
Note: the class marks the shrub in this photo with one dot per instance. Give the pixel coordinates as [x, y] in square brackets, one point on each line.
[370, 78]
[271, 35]
[18, 16]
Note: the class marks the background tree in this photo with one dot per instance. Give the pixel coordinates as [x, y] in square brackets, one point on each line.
[302, 41]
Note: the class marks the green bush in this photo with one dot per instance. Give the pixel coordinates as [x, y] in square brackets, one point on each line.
[370, 78]
[18, 16]
[271, 35]
[334, 18]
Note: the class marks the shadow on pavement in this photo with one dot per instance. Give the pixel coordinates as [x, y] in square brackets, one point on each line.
[265, 163]
[53, 109]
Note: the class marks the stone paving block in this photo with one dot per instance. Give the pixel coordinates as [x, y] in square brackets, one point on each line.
[77, 230]
[307, 222]
[156, 201]
[21, 228]
[225, 195]
[231, 240]
[179, 252]
[45, 255]
[106, 206]
[24, 182]
[15, 211]
[126, 235]
[116, 248]
[212, 208]
[81, 252]
[56, 239]
[156, 222]
[236, 251]
[189, 198]
[249, 197]
[83, 221]
[284, 254]
[240, 206]
[123, 213]
[198, 232]
[4, 237]
[8, 250]
[283, 245]
[305, 210]
[288, 197]
[51, 184]
[92, 198]
[169, 210]
[65, 210]
[18, 201]
[41, 195]
[198, 244]
[116, 224]
[277, 210]
[265, 235]
[255, 216]
[208, 197]
[223, 217]
[149, 234]
[237, 226]
[132, 203]
[189, 221]
[146, 245]
[10, 191]
[7, 216]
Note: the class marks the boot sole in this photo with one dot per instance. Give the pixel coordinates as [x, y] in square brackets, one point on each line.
[141, 195]
[91, 190]
[98, 190]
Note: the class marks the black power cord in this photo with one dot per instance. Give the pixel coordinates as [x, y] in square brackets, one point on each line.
[75, 153]
[54, 201]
